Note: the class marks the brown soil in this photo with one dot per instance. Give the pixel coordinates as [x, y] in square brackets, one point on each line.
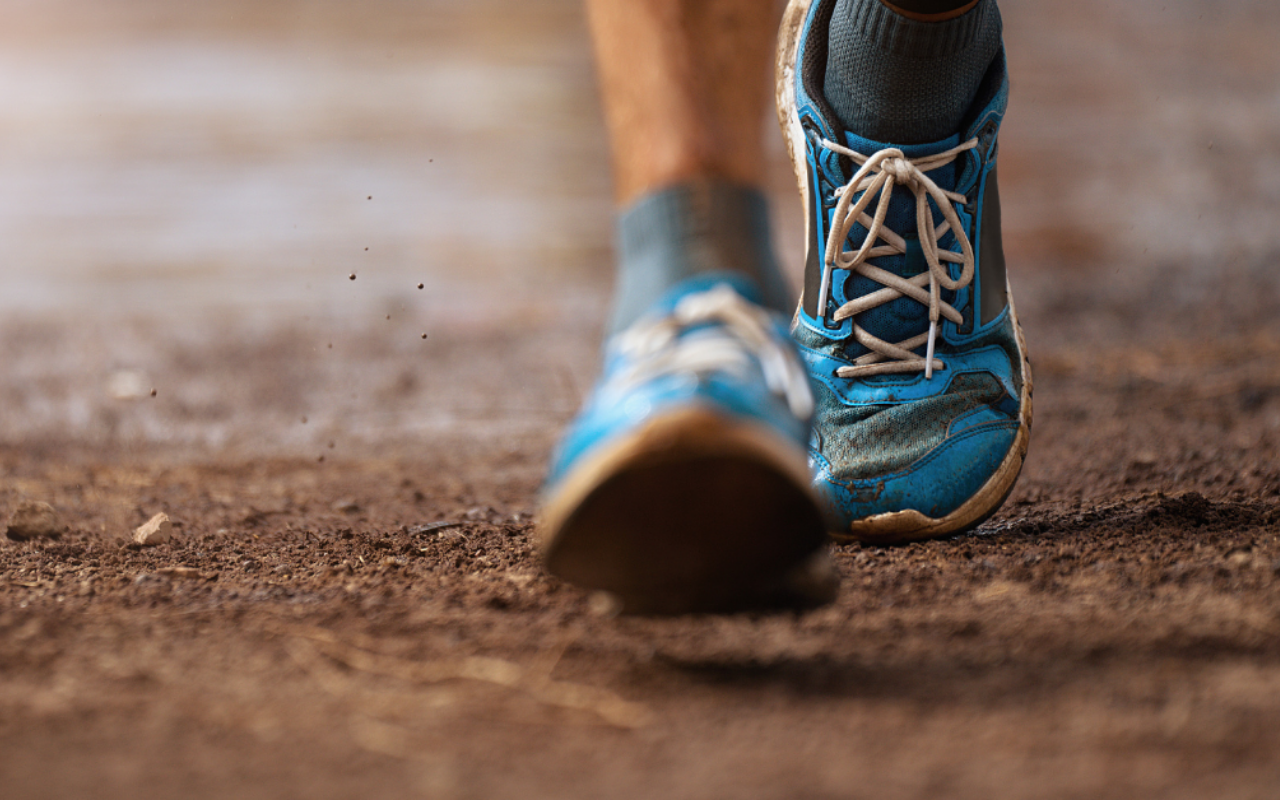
[352, 606]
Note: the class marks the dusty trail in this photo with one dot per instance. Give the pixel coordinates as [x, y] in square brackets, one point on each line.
[352, 606]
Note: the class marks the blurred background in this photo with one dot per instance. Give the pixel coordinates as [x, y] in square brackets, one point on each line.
[187, 187]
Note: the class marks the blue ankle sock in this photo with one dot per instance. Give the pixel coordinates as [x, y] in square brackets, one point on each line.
[692, 229]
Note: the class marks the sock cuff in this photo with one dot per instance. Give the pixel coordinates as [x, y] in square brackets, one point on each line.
[703, 213]
[892, 33]
[690, 229]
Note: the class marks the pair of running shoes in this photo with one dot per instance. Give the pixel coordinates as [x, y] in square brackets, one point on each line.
[720, 449]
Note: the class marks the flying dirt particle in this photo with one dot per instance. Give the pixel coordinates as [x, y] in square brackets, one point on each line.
[330, 345]
[153, 392]
[424, 336]
[33, 520]
[388, 316]
[330, 445]
[320, 459]
[366, 249]
[351, 277]
[370, 197]
[431, 161]
[347, 505]
[420, 286]
[304, 420]
[156, 530]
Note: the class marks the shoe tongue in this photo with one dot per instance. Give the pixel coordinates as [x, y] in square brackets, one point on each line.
[903, 318]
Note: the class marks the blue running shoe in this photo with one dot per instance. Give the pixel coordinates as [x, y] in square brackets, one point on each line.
[922, 386]
[683, 485]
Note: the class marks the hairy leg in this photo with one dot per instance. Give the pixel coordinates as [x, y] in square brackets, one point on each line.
[686, 87]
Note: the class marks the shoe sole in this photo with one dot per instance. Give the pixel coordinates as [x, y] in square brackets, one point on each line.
[909, 525]
[692, 513]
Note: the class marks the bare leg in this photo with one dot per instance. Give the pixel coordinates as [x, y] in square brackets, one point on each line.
[686, 87]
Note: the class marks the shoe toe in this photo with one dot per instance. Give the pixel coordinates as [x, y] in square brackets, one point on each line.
[934, 486]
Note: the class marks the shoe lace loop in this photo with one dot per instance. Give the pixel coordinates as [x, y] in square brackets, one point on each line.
[876, 177]
[716, 330]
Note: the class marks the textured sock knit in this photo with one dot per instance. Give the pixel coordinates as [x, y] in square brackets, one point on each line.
[898, 80]
[693, 229]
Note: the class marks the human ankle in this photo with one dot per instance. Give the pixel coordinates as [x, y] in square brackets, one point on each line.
[893, 78]
[673, 234]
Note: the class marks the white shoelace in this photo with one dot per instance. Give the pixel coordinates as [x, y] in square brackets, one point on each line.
[877, 176]
[657, 348]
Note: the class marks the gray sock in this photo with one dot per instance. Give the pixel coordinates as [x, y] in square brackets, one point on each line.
[897, 80]
[693, 229]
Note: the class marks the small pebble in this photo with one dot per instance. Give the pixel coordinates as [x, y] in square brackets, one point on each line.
[153, 392]
[156, 530]
[424, 336]
[1239, 559]
[604, 604]
[352, 276]
[420, 285]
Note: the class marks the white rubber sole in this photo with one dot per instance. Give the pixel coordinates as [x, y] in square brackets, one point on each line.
[895, 526]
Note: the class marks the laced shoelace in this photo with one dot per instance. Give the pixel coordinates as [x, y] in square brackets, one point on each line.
[729, 332]
[877, 176]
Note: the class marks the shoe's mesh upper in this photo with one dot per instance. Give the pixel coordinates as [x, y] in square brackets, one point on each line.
[868, 441]
[872, 441]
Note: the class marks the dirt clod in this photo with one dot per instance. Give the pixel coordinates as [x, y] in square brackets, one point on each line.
[157, 530]
[33, 519]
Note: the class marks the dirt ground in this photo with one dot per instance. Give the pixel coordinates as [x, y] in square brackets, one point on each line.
[352, 606]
